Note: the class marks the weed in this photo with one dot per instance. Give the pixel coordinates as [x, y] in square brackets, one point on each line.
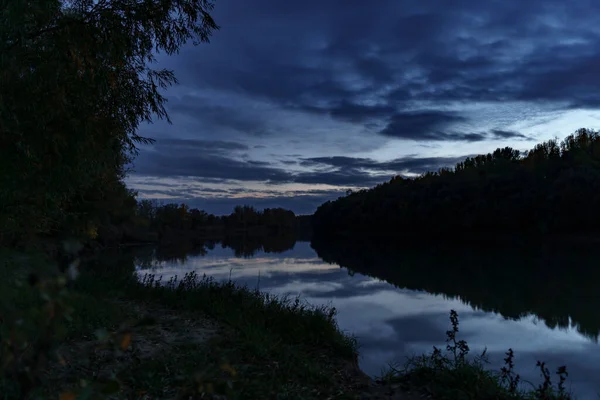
[453, 375]
[507, 375]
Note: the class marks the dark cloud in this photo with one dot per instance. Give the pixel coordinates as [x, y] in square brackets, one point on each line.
[220, 117]
[501, 134]
[353, 112]
[438, 126]
[421, 51]
[208, 166]
[426, 125]
[213, 161]
[204, 166]
[419, 165]
[360, 76]
[339, 161]
[181, 158]
[196, 144]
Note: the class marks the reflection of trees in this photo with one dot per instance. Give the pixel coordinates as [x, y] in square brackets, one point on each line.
[248, 245]
[176, 252]
[147, 257]
[180, 251]
[554, 282]
[144, 256]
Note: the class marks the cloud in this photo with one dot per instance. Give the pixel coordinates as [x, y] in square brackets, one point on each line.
[358, 62]
[206, 113]
[426, 125]
[438, 126]
[395, 79]
[410, 164]
[185, 158]
[208, 166]
[339, 161]
[353, 112]
[198, 144]
[218, 161]
[419, 165]
[501, 134]
[348, 177]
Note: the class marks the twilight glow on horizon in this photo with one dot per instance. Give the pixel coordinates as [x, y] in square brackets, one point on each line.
[293, 103]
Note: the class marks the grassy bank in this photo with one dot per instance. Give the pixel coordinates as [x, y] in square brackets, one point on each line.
[454, 374]
[109, 334]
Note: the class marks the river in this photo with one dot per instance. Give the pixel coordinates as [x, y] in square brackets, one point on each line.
[542, 302]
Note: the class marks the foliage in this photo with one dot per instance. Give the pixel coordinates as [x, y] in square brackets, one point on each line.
[282, 348]
[76, 83]
[453, 375]
[31, 334]
[552, 189]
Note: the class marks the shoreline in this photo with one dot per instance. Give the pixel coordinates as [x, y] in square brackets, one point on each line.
[269, 345]
[248, 342]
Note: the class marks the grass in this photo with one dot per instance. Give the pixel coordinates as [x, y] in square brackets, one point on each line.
[108, 334]
[280, 347]
[455, 375]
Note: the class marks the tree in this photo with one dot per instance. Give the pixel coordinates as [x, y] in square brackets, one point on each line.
[76, 83]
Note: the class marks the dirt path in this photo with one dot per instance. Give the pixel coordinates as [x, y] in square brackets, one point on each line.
[88, 360]
[154, 342]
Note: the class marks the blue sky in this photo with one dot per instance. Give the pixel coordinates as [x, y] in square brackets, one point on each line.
[292, 103]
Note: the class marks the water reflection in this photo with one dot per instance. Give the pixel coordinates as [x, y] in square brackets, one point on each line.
[557, 283]
[539, 301]
[242, 245]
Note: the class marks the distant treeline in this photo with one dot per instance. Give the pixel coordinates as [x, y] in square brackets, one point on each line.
[152, 221]
[552, 189]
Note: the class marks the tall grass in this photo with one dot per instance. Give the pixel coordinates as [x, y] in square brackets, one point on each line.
[267, 346]
[251, 311]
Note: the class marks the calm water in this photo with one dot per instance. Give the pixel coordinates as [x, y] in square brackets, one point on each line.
[542, 302]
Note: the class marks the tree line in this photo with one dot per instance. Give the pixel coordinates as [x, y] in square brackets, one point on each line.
[172, 222]
[552, 189]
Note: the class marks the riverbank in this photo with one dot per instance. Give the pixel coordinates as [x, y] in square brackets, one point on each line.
[180, 339]
[196, 336]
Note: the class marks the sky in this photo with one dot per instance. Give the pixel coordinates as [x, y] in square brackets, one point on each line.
[293, 103]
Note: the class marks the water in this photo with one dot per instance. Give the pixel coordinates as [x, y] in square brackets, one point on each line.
[541, 302]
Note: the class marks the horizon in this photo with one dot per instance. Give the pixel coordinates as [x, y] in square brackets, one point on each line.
[273, 114]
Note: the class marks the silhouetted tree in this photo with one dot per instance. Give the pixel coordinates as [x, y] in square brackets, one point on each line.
[76, 83]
